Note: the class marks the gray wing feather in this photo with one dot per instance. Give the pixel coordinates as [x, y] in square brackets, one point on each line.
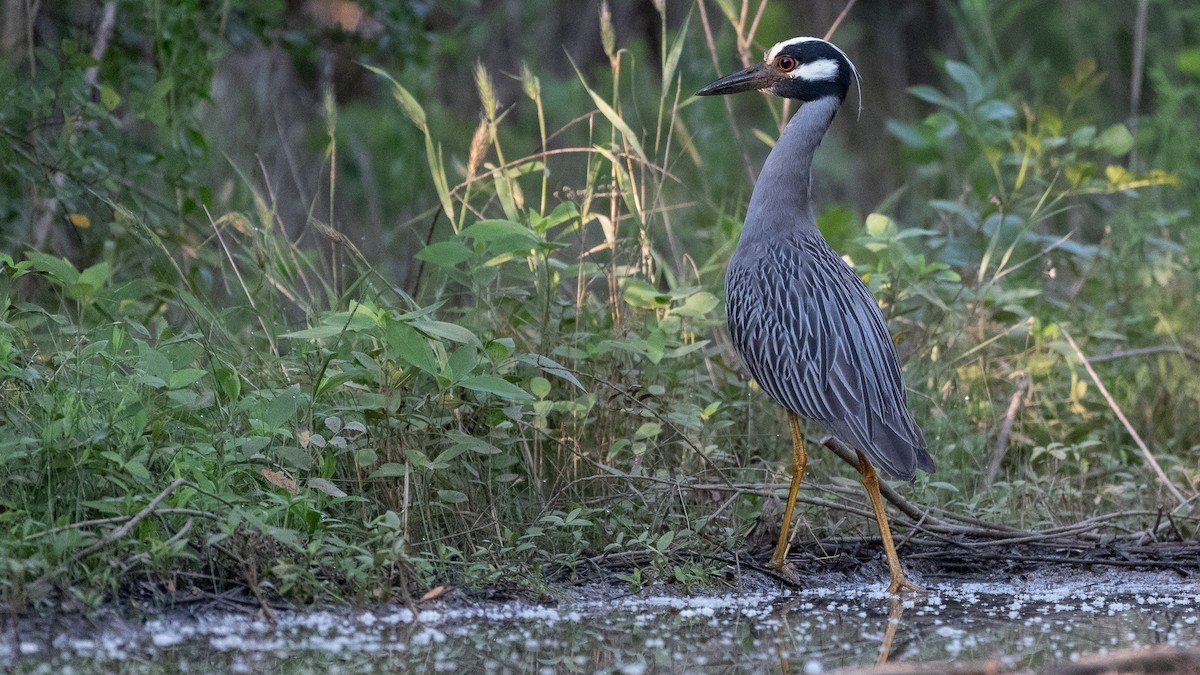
[811, 334]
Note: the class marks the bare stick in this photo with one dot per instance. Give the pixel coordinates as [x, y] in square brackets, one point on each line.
[1143, 351]
[108, 21]
[1000, 448]
[1139, 60]
[838, 21]
[1162, 476]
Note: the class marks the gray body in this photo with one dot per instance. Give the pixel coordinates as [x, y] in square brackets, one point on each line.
[804, 323]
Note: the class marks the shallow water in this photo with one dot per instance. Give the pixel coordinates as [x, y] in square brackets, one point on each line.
[1027, 625]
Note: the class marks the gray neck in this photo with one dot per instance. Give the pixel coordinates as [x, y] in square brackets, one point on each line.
[780, 201]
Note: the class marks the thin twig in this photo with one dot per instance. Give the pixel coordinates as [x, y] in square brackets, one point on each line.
[115, 534]
[104, 32]
[1162, 476]
[1144, 351]
[1139, 61]
[1000, 448]
[838, 21]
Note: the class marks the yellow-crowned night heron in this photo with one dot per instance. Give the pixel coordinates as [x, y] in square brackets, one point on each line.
[802, 321]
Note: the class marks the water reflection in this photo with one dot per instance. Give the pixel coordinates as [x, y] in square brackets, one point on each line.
[1028, 626]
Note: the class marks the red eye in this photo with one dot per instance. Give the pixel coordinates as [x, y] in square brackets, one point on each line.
[786, 63]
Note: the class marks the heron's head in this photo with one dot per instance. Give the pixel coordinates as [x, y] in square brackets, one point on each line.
[803, 68]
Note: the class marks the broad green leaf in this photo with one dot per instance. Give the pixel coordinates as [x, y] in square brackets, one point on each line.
[185, 378]
[697, 305]
[968, 79]
[94, 276]
[229, 383]
[493, 384]
[59, 269]
[446, 331]
[281, 408]
[647, 430]
[153, 362]
[445, 253]
[1188, 61]
[930, 95]
[451, 496]
[552, 367]
[640, 293]
[879, 225]
[1115, 140]
[137, 470]
[388, 470]
[540, 387]
[412, 347]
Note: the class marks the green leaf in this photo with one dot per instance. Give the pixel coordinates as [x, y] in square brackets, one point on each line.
[1115, 140]
[615, 119]
[697, 305]
[229, 383]
[451, 496]
[94, 276]
[879, 225]
[446, 331]
[281, 409]
[109, 97]
[930, 95]
[540, 387]
[996, 110]
[552, 367]
[137, 470]
[664, 541]
[152, 362]
[640, 293]
[968, 79]
[445, 253]
[412, 347]
[943, 486]
[185, 378]
[647, 430]
[1188, 61]
[388, 470]
[59, 269]
[496, 385]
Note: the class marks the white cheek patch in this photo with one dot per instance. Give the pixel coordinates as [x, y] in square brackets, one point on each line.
[815, 71]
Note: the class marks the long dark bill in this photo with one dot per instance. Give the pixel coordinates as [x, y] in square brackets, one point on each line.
[758, 76]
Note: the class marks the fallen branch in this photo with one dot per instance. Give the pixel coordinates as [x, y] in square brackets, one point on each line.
[115, 534]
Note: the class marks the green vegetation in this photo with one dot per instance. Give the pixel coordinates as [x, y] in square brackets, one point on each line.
[531, 371]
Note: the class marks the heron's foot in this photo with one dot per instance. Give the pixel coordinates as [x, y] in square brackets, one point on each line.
[785, 568]
[901, 585]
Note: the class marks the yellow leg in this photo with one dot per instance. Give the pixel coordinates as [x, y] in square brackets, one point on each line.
[870, 481]
[799, 463]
